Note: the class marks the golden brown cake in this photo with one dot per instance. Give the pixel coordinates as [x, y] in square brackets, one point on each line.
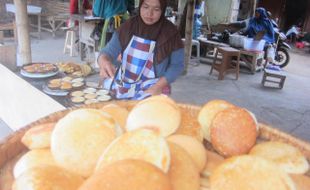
[286, 156]
[128, 174]
[233, 132]
[79, 139]
[249, 173]
[183, 173]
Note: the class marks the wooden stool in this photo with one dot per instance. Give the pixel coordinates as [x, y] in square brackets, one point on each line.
[70, 41]
[275, 77]
[226, 65]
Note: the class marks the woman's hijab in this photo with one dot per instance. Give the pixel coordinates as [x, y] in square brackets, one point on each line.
[163, 32]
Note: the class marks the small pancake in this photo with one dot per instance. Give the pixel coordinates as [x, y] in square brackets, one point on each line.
[183, 173]
[89, 90]
[90, 96]
[38, 136]
[193, 147]
[33, 158]
[102, 92]
[77, 99]
[90, 101]
[47, 177]
[103, 98]
[77, 93]
[66, 86]
[54, 85]
[67, 79]
[143, 144]
[286, 156]
[55, 81]
[77, 84]
[78, 79]
[249, 172]
[128, 174]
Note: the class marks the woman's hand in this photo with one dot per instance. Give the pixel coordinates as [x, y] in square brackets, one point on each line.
[154, 90]
[107, 70]
[157, 88]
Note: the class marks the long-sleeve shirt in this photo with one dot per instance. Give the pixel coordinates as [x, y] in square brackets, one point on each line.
[170, 68]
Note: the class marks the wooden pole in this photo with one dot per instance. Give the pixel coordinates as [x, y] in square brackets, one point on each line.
[253, 7]
[188, 32]
[24, 48]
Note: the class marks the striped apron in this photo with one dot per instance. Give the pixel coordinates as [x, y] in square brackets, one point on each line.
[136, 73]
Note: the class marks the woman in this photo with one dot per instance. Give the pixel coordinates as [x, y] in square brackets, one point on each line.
[261, 24]
[152, 54]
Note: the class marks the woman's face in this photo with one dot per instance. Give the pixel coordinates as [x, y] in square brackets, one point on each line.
[150, 11]
[257, 14]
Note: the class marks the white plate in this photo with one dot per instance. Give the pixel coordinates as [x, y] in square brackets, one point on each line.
[38, 75]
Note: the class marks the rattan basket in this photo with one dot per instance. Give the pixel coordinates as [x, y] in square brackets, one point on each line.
[11, 148]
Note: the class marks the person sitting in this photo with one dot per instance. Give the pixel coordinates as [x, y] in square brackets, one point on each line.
[260, 24]
[152, 54]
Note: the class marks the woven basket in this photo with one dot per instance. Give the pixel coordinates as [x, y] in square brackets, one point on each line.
[11, 148]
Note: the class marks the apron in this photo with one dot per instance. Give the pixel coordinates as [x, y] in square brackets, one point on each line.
[136, 73]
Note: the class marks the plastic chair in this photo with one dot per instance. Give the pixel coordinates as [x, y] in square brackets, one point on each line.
[197, 44]
[69, 41]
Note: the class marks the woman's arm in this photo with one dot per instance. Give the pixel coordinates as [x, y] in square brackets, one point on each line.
[174, 69]
[176, 65]
[107, 56]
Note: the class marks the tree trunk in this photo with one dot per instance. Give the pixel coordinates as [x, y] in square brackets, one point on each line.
[24, 48]
[188, 32]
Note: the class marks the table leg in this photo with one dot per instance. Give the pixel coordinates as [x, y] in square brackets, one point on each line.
[39, 26]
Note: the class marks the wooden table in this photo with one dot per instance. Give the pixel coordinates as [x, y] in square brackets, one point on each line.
[86, 27]
[31, 11]
[252, 59]
[211, 47]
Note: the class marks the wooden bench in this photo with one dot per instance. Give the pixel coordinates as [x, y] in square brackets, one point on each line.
[55, 13]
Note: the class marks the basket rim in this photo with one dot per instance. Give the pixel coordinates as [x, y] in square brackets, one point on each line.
[266, 132]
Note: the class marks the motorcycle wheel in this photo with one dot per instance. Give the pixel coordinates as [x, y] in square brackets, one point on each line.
[282, 57]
